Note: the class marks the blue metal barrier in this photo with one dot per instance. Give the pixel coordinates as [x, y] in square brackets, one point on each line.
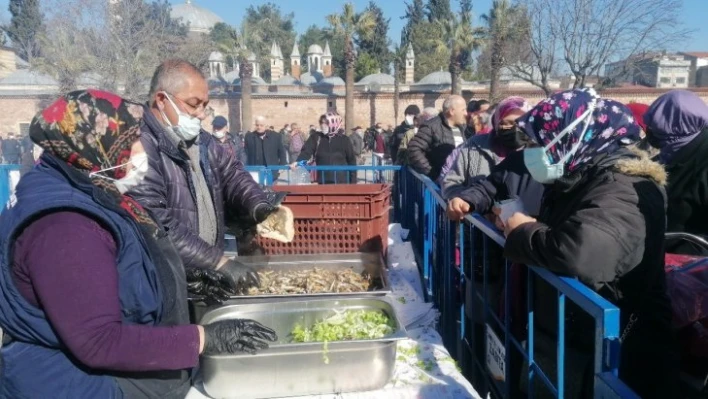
[269, 175]
[5, 183]
[493, 357]
[493, 368]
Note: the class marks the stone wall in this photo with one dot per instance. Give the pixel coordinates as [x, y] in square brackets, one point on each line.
[279, 109]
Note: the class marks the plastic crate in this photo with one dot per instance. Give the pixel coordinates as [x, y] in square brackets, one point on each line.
[335, 218]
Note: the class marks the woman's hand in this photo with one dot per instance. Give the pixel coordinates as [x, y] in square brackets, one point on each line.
[213, 285]
[516, 220]
[457, 208]
[237, 335]
[293, 166]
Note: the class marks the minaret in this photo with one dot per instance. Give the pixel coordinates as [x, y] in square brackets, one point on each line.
[410, 66]
[276, 63]
[327, 61]
[295, 62]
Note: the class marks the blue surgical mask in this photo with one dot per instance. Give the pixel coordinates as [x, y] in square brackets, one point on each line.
[188, 127]
[538, 162]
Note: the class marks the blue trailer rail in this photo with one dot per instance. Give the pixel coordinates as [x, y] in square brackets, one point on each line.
[6, 183]
[470, 323]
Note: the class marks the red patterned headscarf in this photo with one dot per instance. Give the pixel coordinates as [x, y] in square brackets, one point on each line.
[92, 130]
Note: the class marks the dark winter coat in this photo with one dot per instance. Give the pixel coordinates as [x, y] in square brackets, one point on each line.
[605, 225]
[397, 137]
[234, 145]
[687, 190]
[430, 147]
[12, 151]
[330, 151]
[169, 192]
[357, 143]
[266, 151]
[509, 179]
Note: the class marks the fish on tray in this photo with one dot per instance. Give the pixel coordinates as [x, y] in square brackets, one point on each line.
[311, 281]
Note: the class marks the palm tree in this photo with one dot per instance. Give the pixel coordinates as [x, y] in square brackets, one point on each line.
[461, 38]
[501, 30]
[348, 24]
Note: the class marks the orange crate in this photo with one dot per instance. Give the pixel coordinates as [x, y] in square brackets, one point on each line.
[336, 218]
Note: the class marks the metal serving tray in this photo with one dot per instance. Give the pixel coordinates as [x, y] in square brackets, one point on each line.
[360, 262]
[296, 369]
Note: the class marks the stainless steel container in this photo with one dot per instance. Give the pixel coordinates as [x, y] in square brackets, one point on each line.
[371, 263]
[295, 369]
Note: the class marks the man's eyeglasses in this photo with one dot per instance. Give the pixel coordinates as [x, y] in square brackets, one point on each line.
[195, 110]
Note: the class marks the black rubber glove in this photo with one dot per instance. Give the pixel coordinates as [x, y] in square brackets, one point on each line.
[244, 276]
[238, 335]
[213, 285]
[262, 211]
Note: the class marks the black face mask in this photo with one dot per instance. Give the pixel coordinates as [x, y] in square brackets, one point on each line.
[512, 138]
[651, 139]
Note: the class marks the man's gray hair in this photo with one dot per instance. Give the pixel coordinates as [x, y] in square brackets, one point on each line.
[429, 113]
[169, 76]
[260, 118]
[450, 102]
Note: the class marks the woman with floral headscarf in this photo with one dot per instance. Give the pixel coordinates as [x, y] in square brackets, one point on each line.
[677, 124]
[92, 292]
[602, 220]
[330, 147]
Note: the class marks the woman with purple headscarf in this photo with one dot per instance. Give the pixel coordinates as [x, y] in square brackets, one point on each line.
[677, 124]
[602, 220]
[481, 152]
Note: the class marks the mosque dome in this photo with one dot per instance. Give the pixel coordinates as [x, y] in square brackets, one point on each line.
[332, 81]
[310, 78]
[199, 19]
[377, 78]
[286, 80]
[216, 56]
[315, 49]
[437, 78]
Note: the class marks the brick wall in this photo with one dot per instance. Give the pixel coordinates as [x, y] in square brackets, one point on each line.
[19, 110]
[305, 110]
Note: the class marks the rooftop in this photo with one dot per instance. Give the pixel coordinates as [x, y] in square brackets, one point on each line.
[199, 19]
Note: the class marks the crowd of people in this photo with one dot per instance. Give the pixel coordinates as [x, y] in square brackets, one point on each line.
[118, 221]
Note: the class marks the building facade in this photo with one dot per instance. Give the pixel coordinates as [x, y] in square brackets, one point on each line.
[660, 70]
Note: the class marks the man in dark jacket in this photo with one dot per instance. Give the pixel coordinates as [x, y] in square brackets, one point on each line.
[411, 112]
[191, 178]
[435, 140]
[357, 139]
[264, 147]
[12, 150]
[233, 144]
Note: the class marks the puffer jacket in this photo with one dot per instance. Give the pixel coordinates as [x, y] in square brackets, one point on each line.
[468, 163]
[168, 191]
[509, 179]
[431, 146]
[605, 225]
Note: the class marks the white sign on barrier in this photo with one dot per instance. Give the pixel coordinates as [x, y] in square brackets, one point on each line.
[256, 176]
[496, 356]
[14, 179]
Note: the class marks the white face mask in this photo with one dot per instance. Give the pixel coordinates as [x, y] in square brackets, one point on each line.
[219, 134]
[188, 127]
[410, 119]
[325, 128]
[135, 176]
[538, 162]
[379, 130]
[415, 130]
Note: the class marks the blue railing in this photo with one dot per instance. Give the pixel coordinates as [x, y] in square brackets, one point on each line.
[321, 174]
[471, 326]
[463, 291]
[7, 178]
